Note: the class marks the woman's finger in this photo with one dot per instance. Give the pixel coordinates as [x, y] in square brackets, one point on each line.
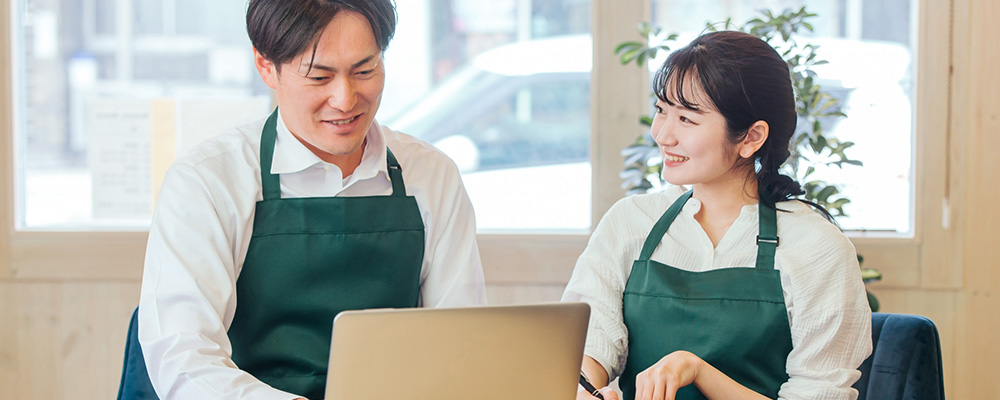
[645, 392]
[659, 386]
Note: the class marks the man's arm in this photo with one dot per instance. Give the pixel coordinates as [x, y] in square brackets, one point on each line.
[188, 289]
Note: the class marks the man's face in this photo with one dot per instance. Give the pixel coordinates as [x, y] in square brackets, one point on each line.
[330, 105]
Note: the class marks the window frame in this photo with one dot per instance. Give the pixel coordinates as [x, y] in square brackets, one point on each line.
[930, 259]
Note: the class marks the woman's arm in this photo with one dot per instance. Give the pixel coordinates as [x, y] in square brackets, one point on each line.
[598, 376]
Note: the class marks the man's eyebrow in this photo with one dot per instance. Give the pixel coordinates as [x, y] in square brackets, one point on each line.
[353, 66]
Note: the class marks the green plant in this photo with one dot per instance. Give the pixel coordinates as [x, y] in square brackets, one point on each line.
[812, 145]
[870, 275]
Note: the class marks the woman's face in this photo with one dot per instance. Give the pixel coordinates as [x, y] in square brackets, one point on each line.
[693, 141]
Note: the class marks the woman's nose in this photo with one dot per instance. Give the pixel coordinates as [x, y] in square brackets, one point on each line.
[663, 133]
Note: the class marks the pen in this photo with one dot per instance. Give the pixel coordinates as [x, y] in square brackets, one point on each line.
[589, 387]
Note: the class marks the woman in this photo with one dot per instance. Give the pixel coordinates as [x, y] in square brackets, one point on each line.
[721, 296]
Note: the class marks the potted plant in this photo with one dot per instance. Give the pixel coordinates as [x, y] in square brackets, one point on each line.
[812, 145]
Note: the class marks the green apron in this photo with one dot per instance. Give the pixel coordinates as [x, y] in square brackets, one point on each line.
[733, 318]
[311, 258]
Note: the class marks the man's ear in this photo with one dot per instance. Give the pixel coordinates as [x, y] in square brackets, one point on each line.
[756, 136]
[268, 70]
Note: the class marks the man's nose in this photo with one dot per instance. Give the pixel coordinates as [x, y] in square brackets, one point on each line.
[342, 95]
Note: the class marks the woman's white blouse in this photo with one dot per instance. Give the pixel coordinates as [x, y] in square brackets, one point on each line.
[820, 278]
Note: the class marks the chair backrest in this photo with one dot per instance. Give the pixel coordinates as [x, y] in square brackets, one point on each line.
[905, 361]
[135, 383]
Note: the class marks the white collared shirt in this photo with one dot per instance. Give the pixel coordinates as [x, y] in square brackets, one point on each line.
[201, 231]
[828, 312]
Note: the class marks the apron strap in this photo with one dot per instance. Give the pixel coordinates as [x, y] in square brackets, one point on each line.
[395, 174]
[661, 226]
[271, 184]
[767, 236]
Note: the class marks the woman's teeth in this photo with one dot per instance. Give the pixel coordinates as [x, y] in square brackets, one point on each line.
[675, 158]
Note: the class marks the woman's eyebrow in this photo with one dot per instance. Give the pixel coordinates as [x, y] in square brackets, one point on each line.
[692, 107]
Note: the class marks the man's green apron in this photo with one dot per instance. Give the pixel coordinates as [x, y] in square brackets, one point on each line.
[733, 318]
[311, 258]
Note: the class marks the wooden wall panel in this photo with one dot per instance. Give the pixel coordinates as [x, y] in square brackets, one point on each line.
[981, 320]
[68, 339]
[91, 338]
[38, 357]
[506, 294]
[8, 338]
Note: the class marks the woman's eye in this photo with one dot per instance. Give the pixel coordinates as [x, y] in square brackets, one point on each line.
[686, 120]
[659, 110]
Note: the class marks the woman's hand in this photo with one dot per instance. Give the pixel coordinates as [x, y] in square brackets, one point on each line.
[607, 392]
[672, 372]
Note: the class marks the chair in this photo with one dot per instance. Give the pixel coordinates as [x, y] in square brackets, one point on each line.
[905, 362]
[135, 383]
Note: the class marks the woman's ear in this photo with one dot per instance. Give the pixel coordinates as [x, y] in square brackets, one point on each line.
[756, 136]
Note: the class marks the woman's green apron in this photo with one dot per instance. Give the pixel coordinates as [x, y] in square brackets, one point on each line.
[733, 318]
[311, 258]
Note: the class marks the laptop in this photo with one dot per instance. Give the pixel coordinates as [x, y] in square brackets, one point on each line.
[484, 353]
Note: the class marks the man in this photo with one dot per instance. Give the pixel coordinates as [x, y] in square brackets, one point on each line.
[263, 234]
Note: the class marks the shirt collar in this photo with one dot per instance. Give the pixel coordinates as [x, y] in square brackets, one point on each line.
[291, 156]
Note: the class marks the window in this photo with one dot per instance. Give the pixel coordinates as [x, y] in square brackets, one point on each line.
[507, 96]
[619, 94]
[92, 91]
[869, 47]
[87, 75]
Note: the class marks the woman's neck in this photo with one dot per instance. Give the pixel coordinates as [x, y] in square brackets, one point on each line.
[721, 204]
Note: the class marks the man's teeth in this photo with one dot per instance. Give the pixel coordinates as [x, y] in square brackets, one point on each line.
[675, 158]
[344, 121]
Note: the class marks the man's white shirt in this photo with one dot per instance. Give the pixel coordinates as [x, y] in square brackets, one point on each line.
[201, 231]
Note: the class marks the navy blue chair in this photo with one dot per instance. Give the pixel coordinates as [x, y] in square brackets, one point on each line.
[905, 361]
[135, 383]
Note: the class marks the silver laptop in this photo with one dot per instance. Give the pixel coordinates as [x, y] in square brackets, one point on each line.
[483, 353]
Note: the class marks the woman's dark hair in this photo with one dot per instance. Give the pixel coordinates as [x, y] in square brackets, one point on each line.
[747, 81]
[280, 30]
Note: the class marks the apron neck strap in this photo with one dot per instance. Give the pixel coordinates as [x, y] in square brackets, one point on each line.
[767, 235]
[271, 184]
[661, 226]
[395, 173]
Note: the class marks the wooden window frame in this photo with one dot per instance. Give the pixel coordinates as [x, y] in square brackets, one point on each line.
[928, 259]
